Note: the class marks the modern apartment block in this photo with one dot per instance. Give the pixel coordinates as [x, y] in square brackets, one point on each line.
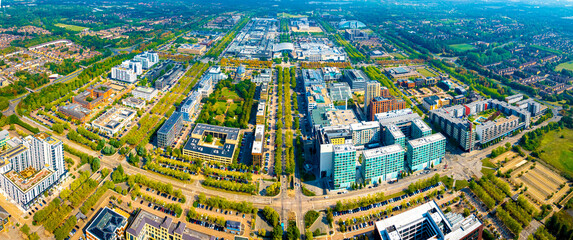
[427, 221]
[371, 91]
[425, 152]
[455, 122]
[420, 129]
[384, 104]
[31, 166]
[383, 163]
[170, 129]
[393, 135]
[365, 133]
[127, 71]
[326, 138]
[147, 59]
[344, 166]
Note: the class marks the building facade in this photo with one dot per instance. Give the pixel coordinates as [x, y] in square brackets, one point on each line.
[383, 163]
[383, 104]
[425, 152]
[171, 127]
[344, 166]
[30, 167]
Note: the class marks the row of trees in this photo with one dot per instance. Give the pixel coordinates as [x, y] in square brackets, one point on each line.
[150, 165]
[230, 185]
[513, 225]
[360, 202]
[221, 203]
[158, 186]
[143, 132]
[246, 176]
[216, 50]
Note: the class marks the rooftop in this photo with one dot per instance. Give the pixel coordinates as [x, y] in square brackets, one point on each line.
[168, 125]
[382, 151]
[428, 139]
[144, 217]
[106, 223]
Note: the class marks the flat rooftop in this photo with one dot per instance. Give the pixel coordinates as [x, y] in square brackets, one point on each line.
[428, 139]
[28, 178]
[232, 133]
[382, 151]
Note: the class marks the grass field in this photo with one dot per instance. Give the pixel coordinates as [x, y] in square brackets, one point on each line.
[398, 55]
[71, 27]
[567, 65]
[288, 15]
[462, 47]
[558, 151]
[425, 72]
[228, 94]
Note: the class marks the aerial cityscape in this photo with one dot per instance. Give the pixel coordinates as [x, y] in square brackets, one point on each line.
[286, 119]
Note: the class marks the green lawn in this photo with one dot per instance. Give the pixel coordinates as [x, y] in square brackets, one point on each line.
[558, 151]
[462, 47]
[220, 106]
[566, 65]
[70, 27]
[398, 55]
[228, 94]
[487, 163]
[426, 72]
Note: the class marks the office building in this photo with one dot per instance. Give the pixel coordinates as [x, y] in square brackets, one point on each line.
[147, 59]
[355, 35]
[371, 91]
[351, 24]
[258, 146]
[30, 167]
[93, 96]
[317, 96]
[491, 130]
[147, 225]
[339, 92]
[136, 103]
[221, 149]
[383, 104]
[432, 102]
[356, 79]
[331, 74]
[365, 133]
[344, 166]
[311, 77]
[167, 133]
[382, 163]
[108, 224]
[144, 93]
[197, 49]
[318, 50]
[114, 120]
[427, 221]
[75, 112]
[265, 76]
[328, 116]
[425, 152]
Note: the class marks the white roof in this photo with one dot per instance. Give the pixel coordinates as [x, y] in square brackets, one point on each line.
[382, 151]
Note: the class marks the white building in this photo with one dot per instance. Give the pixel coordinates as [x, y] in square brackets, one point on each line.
[147, 59]
[265, 76]
[127, 71]
[427, 221]
[114, 120]
[365, 133]
[331, 74]
[30, 167]
[144, 93]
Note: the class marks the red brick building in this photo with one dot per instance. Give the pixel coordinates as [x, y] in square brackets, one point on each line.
[381, 104]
